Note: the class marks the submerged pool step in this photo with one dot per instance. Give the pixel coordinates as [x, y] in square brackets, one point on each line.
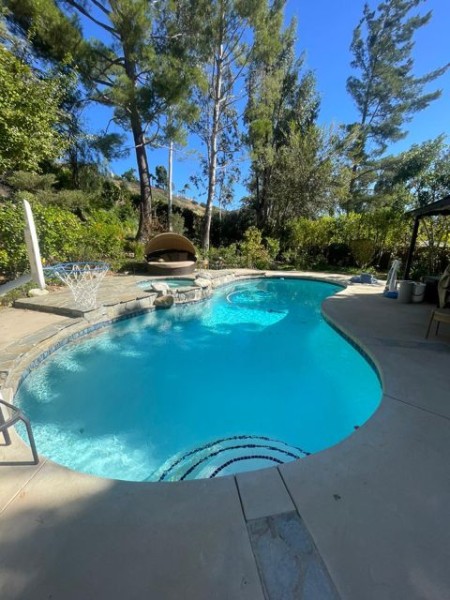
[227, 456]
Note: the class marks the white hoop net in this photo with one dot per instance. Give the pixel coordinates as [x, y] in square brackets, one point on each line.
[83, 279]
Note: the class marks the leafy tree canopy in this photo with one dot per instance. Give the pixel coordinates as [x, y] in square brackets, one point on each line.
[423, 172]
[29, 112]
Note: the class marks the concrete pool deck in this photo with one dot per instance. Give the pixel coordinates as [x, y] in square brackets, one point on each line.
[367, 519]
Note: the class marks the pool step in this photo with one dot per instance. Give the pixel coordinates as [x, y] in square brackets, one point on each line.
[227, 456]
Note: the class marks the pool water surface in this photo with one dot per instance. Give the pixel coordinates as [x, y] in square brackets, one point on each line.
[248, 379]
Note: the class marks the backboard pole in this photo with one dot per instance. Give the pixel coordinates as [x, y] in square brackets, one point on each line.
[31, 240]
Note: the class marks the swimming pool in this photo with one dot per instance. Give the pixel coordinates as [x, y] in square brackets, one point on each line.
[251, 378]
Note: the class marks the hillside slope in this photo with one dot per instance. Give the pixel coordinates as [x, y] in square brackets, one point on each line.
[160, 196]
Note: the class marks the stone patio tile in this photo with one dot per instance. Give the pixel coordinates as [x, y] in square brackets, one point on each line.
[289, 564]
[377, 506]
[263, 493]
[77, 537]
[16, 324]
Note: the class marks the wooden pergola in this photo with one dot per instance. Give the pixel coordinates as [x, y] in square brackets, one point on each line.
[441, 207]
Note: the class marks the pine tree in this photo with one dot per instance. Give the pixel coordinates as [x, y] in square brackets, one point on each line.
[385, 90]
[141, 63]
[282, 105]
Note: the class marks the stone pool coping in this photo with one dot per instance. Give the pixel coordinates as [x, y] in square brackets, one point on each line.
[370, 511]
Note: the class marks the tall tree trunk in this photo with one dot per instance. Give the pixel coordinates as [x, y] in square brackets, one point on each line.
[145, 203]
[262, 217]
[351, 190]
[212, 167]
[170, 198]
[211, 192]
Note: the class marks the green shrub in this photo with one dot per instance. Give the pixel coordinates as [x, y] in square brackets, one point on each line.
[27, 181]
[13, 254]
[273, 247]
[62, 236]
[74, 200]
[10, 297]
[103, 236]
[227, 257]
[136, 248]
[254, 252]
[370, 236]
[178, 223]
[59, 231]
[363, 251]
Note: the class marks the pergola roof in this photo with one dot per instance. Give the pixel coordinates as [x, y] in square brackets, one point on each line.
[441, 207]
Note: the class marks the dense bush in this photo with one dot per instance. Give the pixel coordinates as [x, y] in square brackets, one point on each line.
[68, 232]
[225, 257]
[59, 233]
[103, 236]
[252, 252]
[178, 223]
[347, 240]
[13, 256]
[62, 236]
[363, 250]
[256, 252]
[229, 226]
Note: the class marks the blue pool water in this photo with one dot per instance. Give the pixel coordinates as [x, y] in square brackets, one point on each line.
[251, 378]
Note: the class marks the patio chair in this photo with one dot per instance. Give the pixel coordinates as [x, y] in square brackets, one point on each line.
[444, 288]
[15, 416]
[441, 314]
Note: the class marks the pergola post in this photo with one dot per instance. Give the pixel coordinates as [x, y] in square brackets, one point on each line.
[411, 248]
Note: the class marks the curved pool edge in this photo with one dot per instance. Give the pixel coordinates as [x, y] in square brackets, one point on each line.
[81, 330]
[373, 505]
[353, 340]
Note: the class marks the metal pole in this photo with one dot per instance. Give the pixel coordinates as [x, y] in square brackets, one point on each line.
[5, 431]
[411, 248]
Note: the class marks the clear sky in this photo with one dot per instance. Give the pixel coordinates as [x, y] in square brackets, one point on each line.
[324, 32]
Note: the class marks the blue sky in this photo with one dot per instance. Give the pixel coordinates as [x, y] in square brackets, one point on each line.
[324, 32]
